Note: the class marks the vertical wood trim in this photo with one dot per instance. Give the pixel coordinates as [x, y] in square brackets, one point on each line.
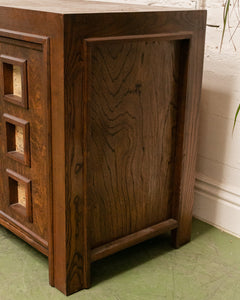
[185, 173]
[87, 66]
[57, 220]
[47, 83]
[179, 151]
[77, 241]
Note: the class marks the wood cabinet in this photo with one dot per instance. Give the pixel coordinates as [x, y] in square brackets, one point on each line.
[99, 115]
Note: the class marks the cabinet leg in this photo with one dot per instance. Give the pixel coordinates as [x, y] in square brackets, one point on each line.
[78, 279]
[181, 235]
[74, 279]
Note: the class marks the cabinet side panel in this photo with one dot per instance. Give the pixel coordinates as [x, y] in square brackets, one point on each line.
[132, 112]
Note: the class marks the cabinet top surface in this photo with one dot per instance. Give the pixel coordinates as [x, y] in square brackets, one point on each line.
[81, 6]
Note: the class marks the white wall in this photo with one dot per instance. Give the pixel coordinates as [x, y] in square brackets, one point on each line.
[217, 196]
[218, 166]
[217, 192]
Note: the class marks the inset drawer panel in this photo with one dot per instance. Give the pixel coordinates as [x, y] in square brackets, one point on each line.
[14, 80]
[19, 191]
[17, 138]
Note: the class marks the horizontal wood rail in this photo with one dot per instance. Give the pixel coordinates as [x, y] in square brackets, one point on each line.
[24, 233]
[132, 239]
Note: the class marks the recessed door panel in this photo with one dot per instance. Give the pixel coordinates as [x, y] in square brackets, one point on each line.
[132, 105]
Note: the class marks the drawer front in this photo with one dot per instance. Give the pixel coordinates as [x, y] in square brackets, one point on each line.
[25, 132]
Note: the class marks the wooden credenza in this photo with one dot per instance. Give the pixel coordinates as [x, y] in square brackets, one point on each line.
[99, 111]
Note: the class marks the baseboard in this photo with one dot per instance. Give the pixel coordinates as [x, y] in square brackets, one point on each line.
[217, 204]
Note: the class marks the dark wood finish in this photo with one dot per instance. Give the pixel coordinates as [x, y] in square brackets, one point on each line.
[34, 120]
[75, 171]
[10, 123]
[13, 194]
[132, 107]
[113, 101]
[24, 233]
[132, 239]
[7, 63]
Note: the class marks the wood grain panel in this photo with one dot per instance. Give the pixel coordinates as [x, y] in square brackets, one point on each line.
[132, 108]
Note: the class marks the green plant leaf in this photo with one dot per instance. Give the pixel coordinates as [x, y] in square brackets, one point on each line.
[236, 115]
[225, 18]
